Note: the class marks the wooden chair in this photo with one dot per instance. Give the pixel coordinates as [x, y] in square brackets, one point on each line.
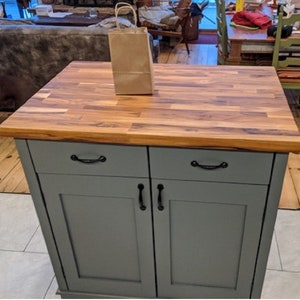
[223, 45]
[286, 54]
[178, 30]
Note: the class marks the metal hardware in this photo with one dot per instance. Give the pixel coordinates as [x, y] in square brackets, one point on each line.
[141, 201]
[88, 160]
[222, 165]
[159, 199]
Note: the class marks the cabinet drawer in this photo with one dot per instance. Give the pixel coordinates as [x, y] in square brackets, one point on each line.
[113, 160]
[211, 165]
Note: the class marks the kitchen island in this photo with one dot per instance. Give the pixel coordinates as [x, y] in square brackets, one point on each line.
[170, 195]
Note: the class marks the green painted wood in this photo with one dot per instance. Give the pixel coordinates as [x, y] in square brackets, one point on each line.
[207, 238]
[41, 210]
[104, 239]
[55, 157]
[286, 52]
[211, 240]
[223, 45]
[243, 167]
[275, 187]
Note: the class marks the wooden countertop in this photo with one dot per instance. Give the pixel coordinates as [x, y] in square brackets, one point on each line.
[235, 107]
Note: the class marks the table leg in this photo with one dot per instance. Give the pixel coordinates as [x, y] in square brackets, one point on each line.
[235, 53]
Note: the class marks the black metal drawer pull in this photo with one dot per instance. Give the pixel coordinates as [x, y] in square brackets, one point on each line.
[159, 199]
[88, 160]
[222, 165]
[141, 200]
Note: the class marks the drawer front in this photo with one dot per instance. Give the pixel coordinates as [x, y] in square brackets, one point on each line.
[89, 159]
[210, 165]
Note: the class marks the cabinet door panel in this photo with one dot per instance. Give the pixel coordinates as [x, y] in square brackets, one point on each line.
[206, 238]
[103, 237]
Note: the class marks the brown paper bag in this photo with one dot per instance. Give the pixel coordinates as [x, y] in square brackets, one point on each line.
[131, 57]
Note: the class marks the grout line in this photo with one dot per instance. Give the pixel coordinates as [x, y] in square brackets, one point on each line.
[26, 246]
[285, 271]
[20, 251]
[47, 290]
[278, 250]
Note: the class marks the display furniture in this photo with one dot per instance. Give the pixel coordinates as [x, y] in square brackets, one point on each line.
[170, 195]
[239, 46]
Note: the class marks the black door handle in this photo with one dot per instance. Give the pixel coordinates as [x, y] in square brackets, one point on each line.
[88, 160]
[222, 165]
[141, 200]
[160, 206]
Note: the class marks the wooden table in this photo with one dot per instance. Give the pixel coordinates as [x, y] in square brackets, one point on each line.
[250, 46]
[75, 19]
[178, 191]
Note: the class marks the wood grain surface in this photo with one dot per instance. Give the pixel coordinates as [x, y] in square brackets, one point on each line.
[235, 107]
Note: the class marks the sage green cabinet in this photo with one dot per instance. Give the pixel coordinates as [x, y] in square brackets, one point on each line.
[103, 237]
[207, 231]
[100, 214]
[146, 222]
[207, 238]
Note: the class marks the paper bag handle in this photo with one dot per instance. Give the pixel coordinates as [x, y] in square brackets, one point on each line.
[124, 5]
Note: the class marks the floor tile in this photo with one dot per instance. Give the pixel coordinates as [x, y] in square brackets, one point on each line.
[37, 243]
[288, 237]
[51, 293]
[281, 285]
[18, 221]
[29, 274]
[24, 275]
[274, 259]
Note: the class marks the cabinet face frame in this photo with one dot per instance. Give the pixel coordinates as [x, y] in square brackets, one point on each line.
[278, 169]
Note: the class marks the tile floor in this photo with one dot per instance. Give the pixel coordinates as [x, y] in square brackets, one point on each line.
[26, 271]
[25, 267]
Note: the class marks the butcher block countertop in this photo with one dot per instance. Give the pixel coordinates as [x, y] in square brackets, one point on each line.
[226, 107]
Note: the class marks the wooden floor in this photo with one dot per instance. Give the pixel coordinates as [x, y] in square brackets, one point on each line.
[12, 179]
[200, 54]
[291, 186]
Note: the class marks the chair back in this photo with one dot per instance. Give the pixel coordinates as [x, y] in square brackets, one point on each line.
[222, 35]
[286, 54]
[182, 9]
[286, 50]
[177, 30]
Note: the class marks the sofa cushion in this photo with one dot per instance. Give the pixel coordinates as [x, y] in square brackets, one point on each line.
[14, 92]
[34, 54]
[38, 53]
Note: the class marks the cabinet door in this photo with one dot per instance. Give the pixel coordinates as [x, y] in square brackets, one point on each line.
[103, 236]
[206, 238]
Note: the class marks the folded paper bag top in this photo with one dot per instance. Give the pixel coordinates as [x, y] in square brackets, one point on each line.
[131, 58]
